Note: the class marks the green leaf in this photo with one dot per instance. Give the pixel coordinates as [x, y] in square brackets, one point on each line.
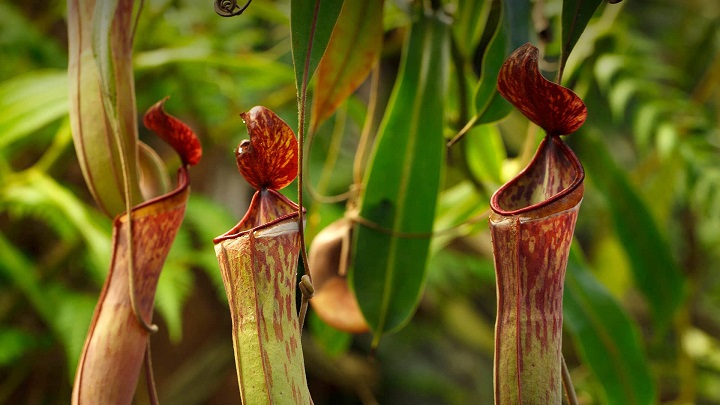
[469, 23]
[655, 271]
[489, 105]
[575, 16]
[207, 219]
[71, 315]
[402, 183]
[605, 337]
[23, 112]
[66, 313]
[455, 207]
[311, 23]
[517, 19]
[485, 153]
[332, 341]
[353, 50]
[173, 290]
[41, 195]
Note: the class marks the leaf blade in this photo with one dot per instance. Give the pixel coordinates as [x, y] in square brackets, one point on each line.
[655, 271]
[307, 30]
[400, 193]
[575, 16]
[605, 337]
[353, 49]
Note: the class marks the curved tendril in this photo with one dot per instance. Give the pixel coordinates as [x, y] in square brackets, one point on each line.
[150, 328]
[356, 218]
[307, 290]
[567, 384]
[150, 376]
[229, 8]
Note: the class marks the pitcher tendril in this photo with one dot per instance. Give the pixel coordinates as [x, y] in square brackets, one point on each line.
[230, 8]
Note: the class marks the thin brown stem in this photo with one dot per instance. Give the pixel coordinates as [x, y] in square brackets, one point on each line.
[416, 235]
[150, 376]
[137, 19]
[301, 147]
[359, 161]
[567, 384]
[330, 161]
[470, 124]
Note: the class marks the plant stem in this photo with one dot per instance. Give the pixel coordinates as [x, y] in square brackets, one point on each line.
[301, 147]
[150, 376]
[359, 161]
[567, 383]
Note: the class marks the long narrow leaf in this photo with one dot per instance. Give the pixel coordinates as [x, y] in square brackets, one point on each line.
[517, 18]
[402, 182]
[354, 48]
[306, 29]
[489, 105]
[605, 337]
[575, 16]
[655, 271]
[471, 20]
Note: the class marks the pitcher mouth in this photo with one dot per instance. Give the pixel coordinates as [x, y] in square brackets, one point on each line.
[251, 223]
[552, 175]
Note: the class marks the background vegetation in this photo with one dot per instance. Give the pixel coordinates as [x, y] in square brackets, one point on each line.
[648, 230]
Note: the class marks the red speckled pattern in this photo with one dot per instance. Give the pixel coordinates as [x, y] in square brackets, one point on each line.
[269, 159]
[530, 262]
[174, 132]
[554, 108]
[114, 349]
[258, 260]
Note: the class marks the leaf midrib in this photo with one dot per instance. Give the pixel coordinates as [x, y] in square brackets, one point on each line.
[403, 194]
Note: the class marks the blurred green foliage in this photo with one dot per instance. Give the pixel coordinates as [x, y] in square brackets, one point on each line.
[649, 73]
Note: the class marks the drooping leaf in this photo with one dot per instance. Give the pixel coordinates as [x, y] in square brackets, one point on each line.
[576, 15]
[269, 158]
[311, 23]
[489, 106]
[607, 340]
[517, 19]
[402, 182]
[467, 28]
[655, 271]
[353, 49]
[102, 99]
[554, 108]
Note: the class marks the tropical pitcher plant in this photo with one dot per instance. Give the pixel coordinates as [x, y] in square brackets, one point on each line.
[532, 226]
[258, 259]
[130, 183]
